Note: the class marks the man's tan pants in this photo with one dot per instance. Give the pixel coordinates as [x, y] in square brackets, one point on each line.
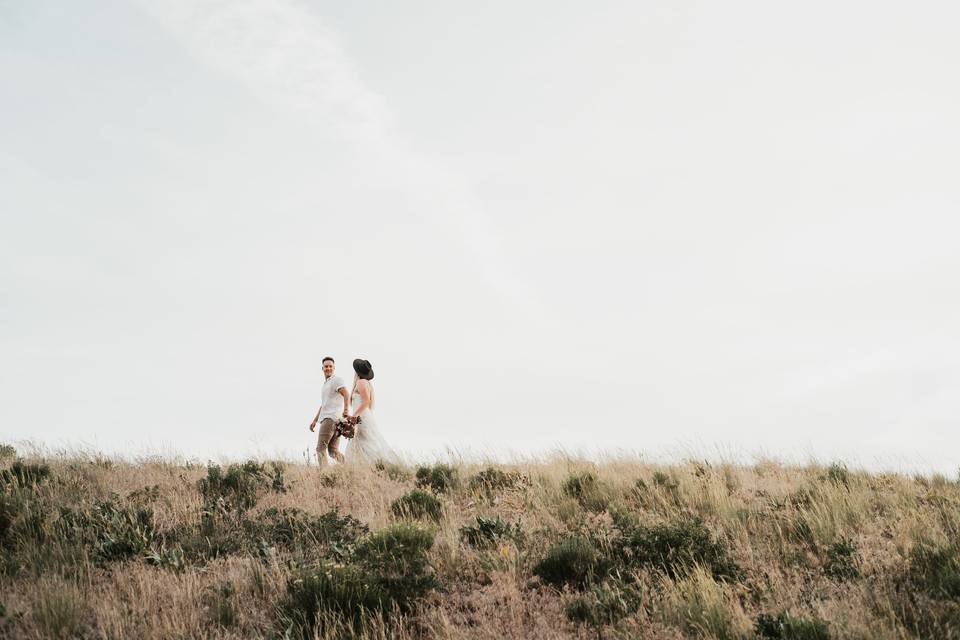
[328, 442]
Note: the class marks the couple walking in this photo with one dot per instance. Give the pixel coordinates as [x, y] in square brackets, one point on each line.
[367, 444]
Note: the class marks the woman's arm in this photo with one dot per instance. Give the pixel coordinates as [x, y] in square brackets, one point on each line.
[363, 388]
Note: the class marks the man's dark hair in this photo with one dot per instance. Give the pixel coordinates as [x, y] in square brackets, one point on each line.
[328, 358]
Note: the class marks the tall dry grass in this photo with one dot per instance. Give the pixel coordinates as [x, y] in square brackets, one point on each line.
[560, 548]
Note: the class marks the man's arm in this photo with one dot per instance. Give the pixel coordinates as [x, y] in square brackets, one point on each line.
[346, 401]
[315, 418]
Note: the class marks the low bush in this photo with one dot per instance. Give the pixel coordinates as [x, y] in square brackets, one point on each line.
[604, 604]
[665, 481]
[418, 504]
[935, 569]
[25, 474]
[784, 626]
[676, 547]
[239, 487]
[109, 530]
[491, 481]
[589, 492]
[394, 471]
[388, 574]
[837, 474]
[483, 533]
[441, 478]
[574, 562]
[7, 451]
[329, 535]
[841, 563]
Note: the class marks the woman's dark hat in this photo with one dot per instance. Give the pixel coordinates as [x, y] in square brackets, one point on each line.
[363, 368]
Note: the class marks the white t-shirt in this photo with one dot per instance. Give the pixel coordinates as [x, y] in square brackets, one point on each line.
[331, 402]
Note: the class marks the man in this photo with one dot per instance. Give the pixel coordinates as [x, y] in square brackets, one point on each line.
[334, 402]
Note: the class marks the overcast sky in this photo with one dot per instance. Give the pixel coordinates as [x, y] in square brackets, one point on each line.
[668, 227]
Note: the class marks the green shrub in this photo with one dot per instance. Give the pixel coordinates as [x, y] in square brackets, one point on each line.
[784, 626]
[7, 451]
[604, 604]
[238, 488]
[492, 480]
[841, 561]
[277, 483]
[25, 474]
[676, 547]
[483, 533]
[221, 600]
[837, 474]
[574, 562]
[394, 471]
[665, 481]
[441, 478]
[112, 532]
[417, 504]
[397, 556]
[587, 490]
[329, 598]
[935, 569]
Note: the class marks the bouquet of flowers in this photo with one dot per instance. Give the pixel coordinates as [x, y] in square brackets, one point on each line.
[347, 426]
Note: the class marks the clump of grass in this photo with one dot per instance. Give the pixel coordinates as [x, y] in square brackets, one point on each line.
[388, 574]
[394, 471]
[484, 533]
[589, 492]
[7, 451]
[491, 481]
[784, 626]
[841, 563]
[838, 475]
[441, 478]
[110, 530]
[25, 474]
[935, 569]
[665, 481]
[574, 562]
[604, 604]
[58, 611]
[676, 547]
[705, 608]
[418, 504]
[221, 600]
[239, 487]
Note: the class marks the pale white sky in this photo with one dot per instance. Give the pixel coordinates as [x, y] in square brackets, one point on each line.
[665, 227]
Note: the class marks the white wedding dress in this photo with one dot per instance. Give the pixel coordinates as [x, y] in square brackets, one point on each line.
[368, 445]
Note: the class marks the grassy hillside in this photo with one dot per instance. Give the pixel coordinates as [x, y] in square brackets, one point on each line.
[95, 548]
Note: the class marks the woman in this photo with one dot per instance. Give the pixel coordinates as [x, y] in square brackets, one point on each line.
[367, 445]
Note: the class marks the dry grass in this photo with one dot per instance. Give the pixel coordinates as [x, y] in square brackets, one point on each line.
[815, 549]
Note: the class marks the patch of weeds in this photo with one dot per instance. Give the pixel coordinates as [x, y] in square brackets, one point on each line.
[25, 474]
[441, 478]
[589, 492]
[221, 600]
[277, 481]
[111, 531]
[418, 504]
[604, 604]
[838, 475]
[144, 496]
[574, 561]
[676, 547]
[665, 481]
[484, 533]
[935, 569]
[394, 471]
[784, 626]
[329, 534]
[7, 451]
[58, 612]
[239, 486]
[841, 563]
[491, 481]
[389, 573]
